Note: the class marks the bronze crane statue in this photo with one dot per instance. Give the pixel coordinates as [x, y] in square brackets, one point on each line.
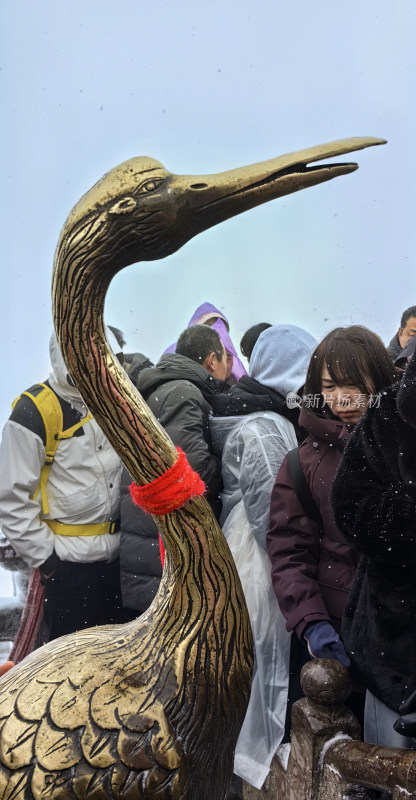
[153, 708]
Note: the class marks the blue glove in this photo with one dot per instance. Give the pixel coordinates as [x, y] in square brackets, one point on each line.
[324, 642]
[406, 723]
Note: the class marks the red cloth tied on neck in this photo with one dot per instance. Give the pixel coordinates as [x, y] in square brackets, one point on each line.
[171, 490]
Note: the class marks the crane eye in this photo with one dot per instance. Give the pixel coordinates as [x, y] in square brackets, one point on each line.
[150, 186]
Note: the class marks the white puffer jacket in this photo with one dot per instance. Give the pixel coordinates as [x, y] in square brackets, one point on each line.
[83, 485]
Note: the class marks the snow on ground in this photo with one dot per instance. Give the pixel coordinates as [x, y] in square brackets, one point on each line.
[5, 648]
[6, 583]
[6, 590]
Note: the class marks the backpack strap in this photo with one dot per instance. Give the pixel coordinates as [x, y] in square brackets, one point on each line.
[50, 410]
[301, 486]
[49, 407]
[69, 432]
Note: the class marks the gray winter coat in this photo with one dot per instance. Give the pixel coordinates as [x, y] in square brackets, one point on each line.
[394, 347]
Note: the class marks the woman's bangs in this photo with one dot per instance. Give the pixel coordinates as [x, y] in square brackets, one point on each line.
[346, 365]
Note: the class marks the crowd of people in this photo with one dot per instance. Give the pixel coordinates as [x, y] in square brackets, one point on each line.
[309, 467]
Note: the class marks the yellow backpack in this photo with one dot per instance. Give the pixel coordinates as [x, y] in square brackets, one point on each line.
[50, 410]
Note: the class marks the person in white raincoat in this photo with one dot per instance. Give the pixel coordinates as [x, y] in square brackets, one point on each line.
[253, 448]
[74, 540]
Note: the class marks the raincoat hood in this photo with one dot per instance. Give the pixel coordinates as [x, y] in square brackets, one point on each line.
[280, 358]
[205, 312]
[59, 378]
[238, 369]
[201, 314]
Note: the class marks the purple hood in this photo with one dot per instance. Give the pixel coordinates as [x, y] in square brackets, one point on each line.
[201, 314]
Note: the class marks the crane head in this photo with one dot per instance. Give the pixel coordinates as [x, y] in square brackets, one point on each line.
[150, 213]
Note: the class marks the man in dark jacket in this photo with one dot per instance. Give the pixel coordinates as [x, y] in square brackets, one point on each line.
[174, 391]
[406, 331]
[374, 500]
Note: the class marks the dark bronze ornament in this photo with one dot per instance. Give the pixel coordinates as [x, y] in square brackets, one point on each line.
[151, 709]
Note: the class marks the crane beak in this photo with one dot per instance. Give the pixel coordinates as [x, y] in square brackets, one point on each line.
[210, 199]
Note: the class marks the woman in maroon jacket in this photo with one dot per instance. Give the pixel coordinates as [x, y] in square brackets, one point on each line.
[312, 565]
